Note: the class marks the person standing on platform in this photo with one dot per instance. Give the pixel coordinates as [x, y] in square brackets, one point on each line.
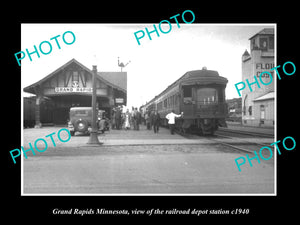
[155, 121]
[151, 115]
[113, 118]
[134, 118]
[171, 120]
[147, 119]
[141, 117]
[127, 119]
[118, 118]
[137, 118]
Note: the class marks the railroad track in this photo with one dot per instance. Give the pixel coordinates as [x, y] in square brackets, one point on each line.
[242, 140]
[248, 133]
[234, 146]
[239, 141]
[240, 144]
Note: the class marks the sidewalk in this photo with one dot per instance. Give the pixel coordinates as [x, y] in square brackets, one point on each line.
[110, 138]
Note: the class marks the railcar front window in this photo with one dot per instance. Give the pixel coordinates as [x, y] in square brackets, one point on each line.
[207, 96]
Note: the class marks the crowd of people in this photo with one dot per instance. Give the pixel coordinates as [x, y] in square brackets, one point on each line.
[127, 120]
[132, 119]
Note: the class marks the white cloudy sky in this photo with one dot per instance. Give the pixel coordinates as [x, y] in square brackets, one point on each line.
[155, 63]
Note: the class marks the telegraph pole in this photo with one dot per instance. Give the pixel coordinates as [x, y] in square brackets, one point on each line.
[94, 133]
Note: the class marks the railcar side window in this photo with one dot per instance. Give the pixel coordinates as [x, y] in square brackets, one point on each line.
[159, 106]
[187, 91]
[187, 94]
[165, 103]
[207, 96]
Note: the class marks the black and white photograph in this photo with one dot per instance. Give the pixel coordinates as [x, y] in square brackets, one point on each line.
[178, 109]
[133, 112]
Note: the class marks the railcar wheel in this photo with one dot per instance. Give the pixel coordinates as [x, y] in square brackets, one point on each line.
[181, 130]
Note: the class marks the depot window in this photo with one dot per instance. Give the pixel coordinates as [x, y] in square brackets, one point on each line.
[75, 76]
[250, 110]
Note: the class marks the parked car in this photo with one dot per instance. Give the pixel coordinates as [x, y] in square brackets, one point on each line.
[80, 120]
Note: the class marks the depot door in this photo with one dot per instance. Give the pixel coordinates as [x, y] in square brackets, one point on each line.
[61, 115]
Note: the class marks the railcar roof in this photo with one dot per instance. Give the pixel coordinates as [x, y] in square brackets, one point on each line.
[201, 73]
[203, 76]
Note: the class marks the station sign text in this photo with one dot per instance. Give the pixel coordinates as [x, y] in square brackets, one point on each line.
[72, 89]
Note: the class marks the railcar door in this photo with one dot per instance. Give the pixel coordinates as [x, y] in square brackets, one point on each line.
[207, 98]
[188, 101]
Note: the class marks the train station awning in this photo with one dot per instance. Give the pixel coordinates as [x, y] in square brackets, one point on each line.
[268, 96]
[116, 80]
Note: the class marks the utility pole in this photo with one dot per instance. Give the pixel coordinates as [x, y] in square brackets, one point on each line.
[94, 133]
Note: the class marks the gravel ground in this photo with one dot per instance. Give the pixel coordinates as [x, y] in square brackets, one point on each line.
[74, 167]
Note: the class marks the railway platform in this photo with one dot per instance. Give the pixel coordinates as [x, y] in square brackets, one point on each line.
[145, 137]
[116, 137]
[131, 138]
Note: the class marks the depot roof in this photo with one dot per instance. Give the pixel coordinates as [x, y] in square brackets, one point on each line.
[116, 80]
[270, 95]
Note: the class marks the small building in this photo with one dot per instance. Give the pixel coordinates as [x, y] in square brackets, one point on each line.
[71, 86]
[258, 105]
[234, 109]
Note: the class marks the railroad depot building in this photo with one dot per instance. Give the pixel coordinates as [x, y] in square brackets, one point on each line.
[71, 86]
[258, 105]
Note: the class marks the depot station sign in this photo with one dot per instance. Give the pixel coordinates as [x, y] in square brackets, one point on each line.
[74, 89]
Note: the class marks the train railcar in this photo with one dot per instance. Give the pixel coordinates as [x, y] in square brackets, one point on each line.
[28, 111]
[200, 95]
